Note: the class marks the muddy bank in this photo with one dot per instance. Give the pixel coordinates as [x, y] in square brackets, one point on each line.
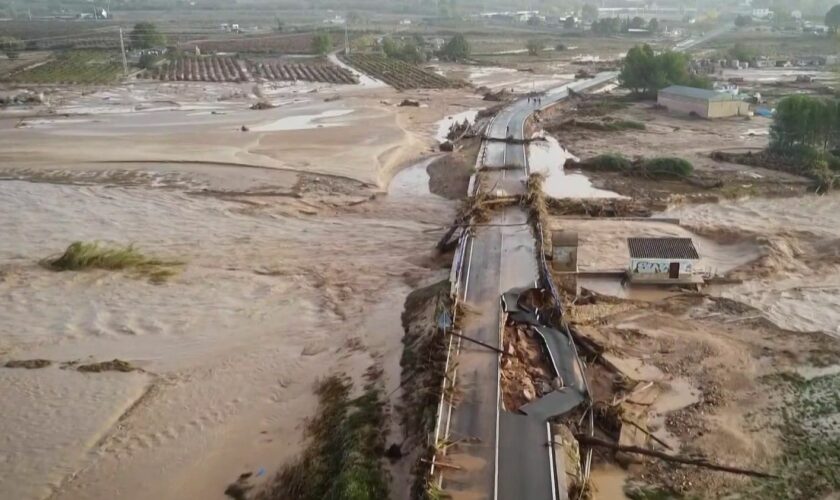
[449, 176]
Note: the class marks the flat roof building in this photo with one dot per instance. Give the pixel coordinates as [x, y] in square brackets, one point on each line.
[702, 102]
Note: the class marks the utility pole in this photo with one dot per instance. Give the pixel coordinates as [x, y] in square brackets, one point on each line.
[346, 38]
[122, 47]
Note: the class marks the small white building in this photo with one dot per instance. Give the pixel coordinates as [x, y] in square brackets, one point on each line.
[664, 261]
[762, 13]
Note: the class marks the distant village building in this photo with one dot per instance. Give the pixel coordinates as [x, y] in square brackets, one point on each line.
[663, 261]
[702, 102]
[564, 262]
[762, 13]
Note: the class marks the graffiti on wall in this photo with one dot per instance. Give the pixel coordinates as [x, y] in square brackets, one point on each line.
[660, 267]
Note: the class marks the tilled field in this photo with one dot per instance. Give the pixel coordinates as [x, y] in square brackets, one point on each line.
[229, 69]
[398, 74]
[293, 43]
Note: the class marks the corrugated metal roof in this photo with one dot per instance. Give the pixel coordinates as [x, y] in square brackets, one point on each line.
[695, 93]
[662, 248]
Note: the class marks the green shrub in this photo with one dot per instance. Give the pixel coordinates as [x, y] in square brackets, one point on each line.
[667, 166]
[611, 162]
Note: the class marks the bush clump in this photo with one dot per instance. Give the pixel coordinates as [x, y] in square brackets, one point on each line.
[610, 162]
[662, 167]
[667, 167]
[94, 255]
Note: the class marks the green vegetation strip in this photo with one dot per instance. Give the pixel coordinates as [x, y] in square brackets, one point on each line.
[346, 442]
[657, 168]
[94, 255]
[74, 67]
[810, 433]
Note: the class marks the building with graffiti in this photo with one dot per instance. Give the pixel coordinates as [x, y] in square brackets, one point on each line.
[664, 260]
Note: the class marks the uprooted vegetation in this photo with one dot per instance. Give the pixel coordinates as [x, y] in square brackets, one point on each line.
[343, 458]
[82, 255]
[116, 365]
[599, 207]
[768, 446]
[29, 364]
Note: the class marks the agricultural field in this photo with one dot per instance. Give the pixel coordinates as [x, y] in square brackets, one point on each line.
[275, 43]
[203, 69]
[76, 67]
[231, 69]
[398, 74]
[313, 72]
[774, 44]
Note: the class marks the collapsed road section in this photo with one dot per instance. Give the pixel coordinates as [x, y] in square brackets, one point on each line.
[491, 451]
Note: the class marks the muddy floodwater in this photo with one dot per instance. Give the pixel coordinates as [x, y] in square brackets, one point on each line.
[796, 282]
[548, 157]
[227, 349]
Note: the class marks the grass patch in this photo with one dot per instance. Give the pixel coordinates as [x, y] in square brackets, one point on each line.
[810, 432]
[346, 442]
[609, 162]
[74, 67]
[666, 167]
[82, 255]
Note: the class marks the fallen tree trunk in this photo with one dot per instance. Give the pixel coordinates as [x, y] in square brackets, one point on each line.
[700, 462]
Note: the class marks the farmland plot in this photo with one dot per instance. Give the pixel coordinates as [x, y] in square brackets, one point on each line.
[75, 67]
[230, 69]
[282, 43]
[398, 74]
[321, 72]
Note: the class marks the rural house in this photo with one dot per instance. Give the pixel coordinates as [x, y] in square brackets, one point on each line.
[663, 261]
[702, 102]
